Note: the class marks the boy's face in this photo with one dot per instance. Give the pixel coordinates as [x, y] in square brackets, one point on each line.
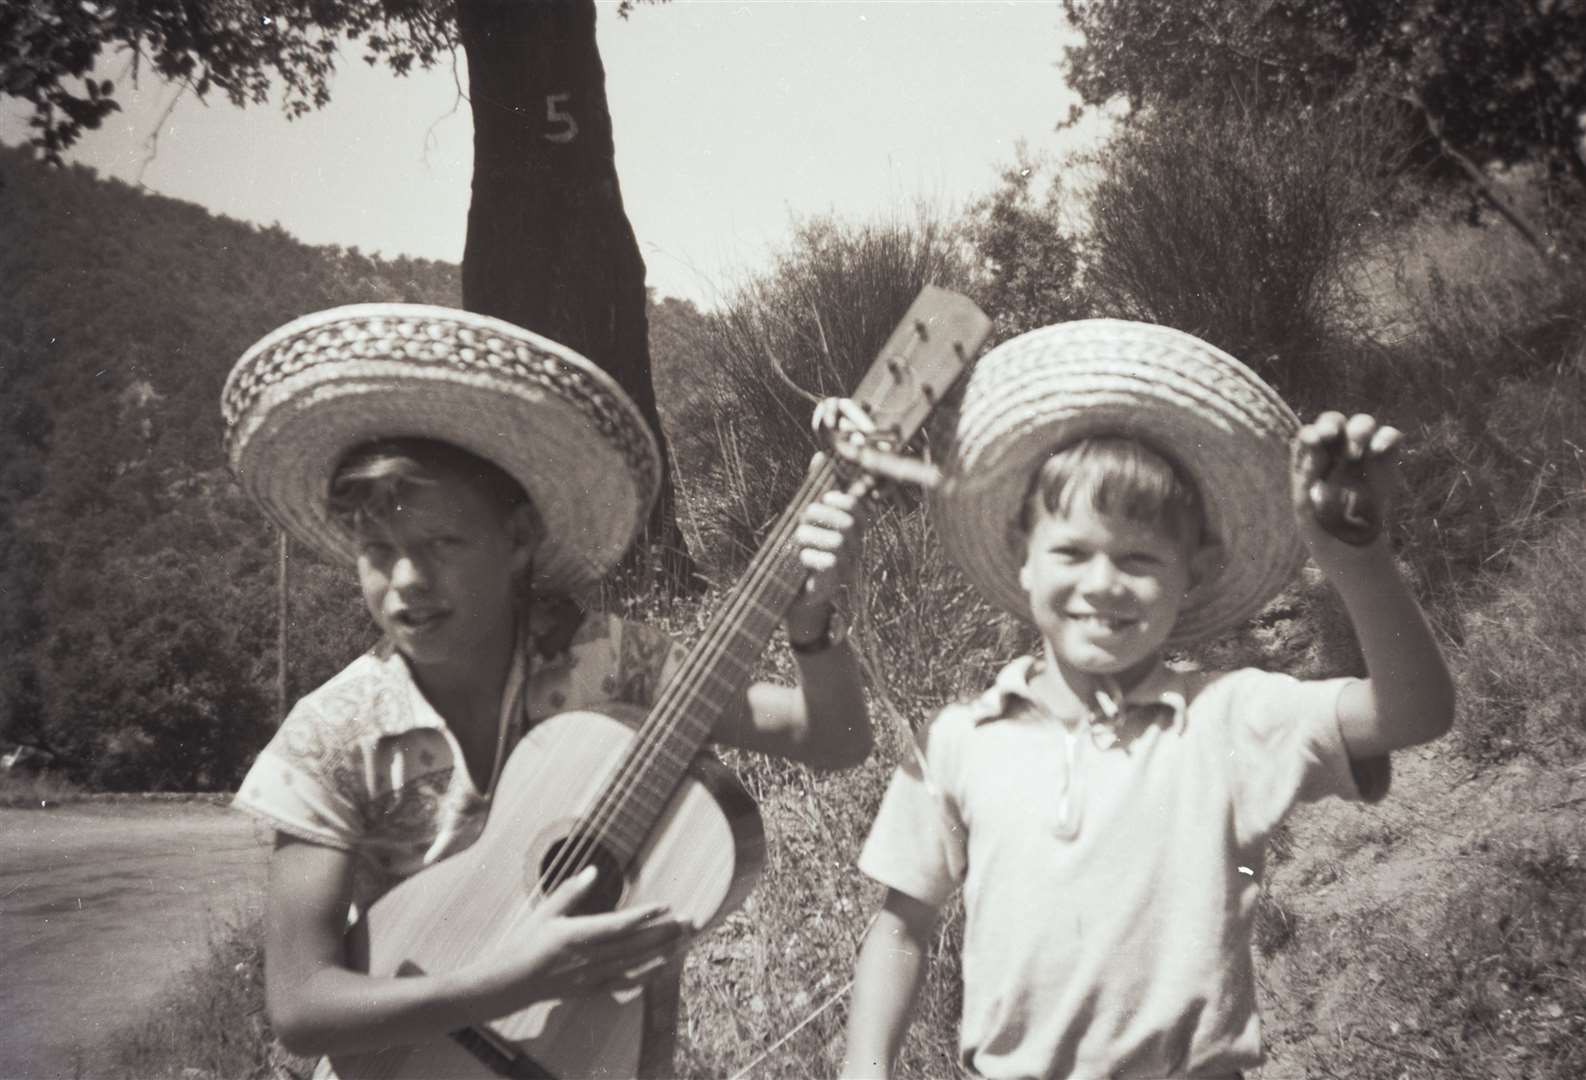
[437, 575]
[1104, 591]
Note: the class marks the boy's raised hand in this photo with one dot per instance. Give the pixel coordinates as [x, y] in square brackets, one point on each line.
[1345, 476]
[828, 538]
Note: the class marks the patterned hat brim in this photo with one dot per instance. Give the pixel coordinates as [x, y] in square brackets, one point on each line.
[307, 393]
[1225, 427]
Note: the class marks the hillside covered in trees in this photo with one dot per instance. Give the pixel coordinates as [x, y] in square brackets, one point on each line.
[137, 584]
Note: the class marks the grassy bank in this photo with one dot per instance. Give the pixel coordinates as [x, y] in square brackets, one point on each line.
[210, 1024]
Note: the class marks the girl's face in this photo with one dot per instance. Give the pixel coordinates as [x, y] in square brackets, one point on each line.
[438, 577]
[1104, 591]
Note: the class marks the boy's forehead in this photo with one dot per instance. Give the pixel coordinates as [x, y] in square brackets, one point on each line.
[1082, 511]
[1081, 515]
[449, 503]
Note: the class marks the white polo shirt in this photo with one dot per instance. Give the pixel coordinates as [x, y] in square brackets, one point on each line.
[1110, 874]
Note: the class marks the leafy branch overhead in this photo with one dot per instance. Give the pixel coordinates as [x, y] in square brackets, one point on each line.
[548, 244]
[1502, 82]
[51, 51]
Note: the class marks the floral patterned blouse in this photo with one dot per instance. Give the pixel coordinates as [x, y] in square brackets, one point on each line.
[366, 765]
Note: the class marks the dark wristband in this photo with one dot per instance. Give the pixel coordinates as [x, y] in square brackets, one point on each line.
[820, 642]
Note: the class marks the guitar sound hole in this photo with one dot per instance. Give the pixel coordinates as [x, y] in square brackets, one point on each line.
[607, 890]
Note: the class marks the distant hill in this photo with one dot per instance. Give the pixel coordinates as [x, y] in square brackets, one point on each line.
[137, 605]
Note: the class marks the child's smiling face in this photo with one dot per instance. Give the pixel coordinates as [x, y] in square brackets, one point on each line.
[1105, 591]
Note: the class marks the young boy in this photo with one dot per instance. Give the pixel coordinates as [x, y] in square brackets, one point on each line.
[1104, 814]
[477, 476]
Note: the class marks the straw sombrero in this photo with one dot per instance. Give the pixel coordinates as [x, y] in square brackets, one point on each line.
[1192, 402]
[303, 396]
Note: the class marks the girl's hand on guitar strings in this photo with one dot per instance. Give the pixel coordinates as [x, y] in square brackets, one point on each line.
[558, 955]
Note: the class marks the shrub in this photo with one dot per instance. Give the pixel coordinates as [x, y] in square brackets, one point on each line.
[1237, 228]
[23, 789]
[812, 326]
[1028, 258]
[1491, 384]
[781, 966]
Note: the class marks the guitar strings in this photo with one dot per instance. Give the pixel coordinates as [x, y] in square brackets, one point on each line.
[577, 850]
[619, 789]
[648, 743]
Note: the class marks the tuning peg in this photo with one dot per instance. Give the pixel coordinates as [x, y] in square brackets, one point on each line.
[834, 417]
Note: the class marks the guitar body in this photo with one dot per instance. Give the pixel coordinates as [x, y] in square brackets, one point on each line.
[700, 860]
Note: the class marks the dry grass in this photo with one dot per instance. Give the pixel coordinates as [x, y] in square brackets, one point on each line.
[1522, 661]
[781, 966]
[1451, 948]
[1488, 376]
[210, 1024]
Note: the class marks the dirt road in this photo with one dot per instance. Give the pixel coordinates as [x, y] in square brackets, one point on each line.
[100, 904]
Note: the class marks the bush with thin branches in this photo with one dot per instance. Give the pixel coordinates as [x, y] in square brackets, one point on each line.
[810, 328]
[1237, 228]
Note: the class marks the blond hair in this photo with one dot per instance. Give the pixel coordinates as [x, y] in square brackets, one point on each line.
[1116, 475]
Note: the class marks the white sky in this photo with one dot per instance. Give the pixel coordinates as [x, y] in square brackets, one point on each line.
[732, 121]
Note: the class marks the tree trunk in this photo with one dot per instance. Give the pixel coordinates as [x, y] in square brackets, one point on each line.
[549, 245]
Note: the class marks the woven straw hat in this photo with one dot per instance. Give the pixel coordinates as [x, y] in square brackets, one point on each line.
[319, 386]
[1191, 402]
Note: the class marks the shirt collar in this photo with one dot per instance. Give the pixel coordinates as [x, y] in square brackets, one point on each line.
[1162, 687]
[402, 707]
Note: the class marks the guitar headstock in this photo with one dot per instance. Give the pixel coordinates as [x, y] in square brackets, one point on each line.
[937, 337]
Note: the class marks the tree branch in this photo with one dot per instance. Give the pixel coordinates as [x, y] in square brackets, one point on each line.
[151, 145]
[1547, 249]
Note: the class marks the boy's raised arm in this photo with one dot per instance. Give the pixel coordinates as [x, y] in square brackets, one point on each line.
[1409, 695]
[823, 722]
[887, 981]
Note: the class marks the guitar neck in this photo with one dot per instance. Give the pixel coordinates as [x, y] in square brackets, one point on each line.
[918, 363]
[710, 681]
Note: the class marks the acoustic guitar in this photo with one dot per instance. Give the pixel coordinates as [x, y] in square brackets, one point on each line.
[632, 794]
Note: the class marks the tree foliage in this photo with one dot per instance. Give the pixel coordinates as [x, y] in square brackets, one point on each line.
[1029, 265]
[137, 583]
[1499, 81]
[50, 49]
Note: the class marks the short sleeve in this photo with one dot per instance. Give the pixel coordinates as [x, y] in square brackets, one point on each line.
[305, 782]
[918, 844]
[1288, 746]
[646, 659]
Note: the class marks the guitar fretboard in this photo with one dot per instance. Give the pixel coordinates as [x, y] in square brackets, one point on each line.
[712, 680]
